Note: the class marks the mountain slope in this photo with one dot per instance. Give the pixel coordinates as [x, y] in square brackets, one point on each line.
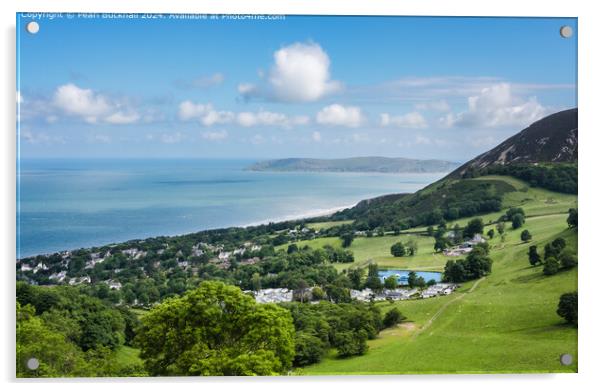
[551, 139]
[356, 164]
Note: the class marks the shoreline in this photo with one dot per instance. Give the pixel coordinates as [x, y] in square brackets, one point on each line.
[290, 217]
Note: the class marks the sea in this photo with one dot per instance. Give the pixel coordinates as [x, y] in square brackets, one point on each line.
[65, 204]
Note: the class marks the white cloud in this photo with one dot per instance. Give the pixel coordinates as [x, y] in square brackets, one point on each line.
[339, 115]
[204, 113]
[217, 117]
[122, 118]
[208, 115]
[316, 136]
[300, 73]
[497, 106]
[214, 136]
[189, 110]
[92, 107]
[19, 97]
[413, 120]
[268, 118]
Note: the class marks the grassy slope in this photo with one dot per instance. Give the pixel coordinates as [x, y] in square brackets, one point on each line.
[328, 224]
[507, 324]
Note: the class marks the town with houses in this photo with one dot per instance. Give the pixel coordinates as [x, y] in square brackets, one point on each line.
[222, 260]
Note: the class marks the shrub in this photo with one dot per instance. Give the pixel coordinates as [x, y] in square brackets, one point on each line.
[393, 317]
[551, 266]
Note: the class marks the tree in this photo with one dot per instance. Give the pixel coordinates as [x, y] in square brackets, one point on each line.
[474, 226]
[356, 277]
[412, 279]
[374, 283]
[525, 236]
[500, 227]
[534, 258]
[391, 282]
[292, 248]
[317, 293]
[412, 247]
[349, 343]
[491, 233]
[518, 220]
[441, 244]
[57, 356]
[347, 239]
[567, 307]
[567, 259]
[216, 330]
[398, 250]
[550, 266]
[430, 231]
[420, 283]
[309, 349]
[572, 219]
[393, 317]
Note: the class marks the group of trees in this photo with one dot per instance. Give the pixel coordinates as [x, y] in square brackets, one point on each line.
[556, 257]
[216, 330]
[71, 333]
[476, 265]
[449, 201]
[556, 177]
[399, 249]
[516, 216]
[344, 327]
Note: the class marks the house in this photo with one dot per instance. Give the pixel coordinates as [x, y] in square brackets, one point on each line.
[115, 285]
[25, 267]
[255, 247]
[58, 276]
[224, 255]
[79, 280]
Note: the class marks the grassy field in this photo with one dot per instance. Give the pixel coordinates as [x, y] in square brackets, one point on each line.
[507, 324]
[328, 224]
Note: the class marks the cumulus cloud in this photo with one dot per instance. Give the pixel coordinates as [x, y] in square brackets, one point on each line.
[339, 115]
[497, 106]
[300, 73]
[214, 136]
[208, 115]
[92, 107]
[122, 118]
[413, 120]
[204, 113]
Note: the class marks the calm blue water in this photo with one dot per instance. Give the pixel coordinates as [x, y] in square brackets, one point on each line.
[403, 275]
[67, 204]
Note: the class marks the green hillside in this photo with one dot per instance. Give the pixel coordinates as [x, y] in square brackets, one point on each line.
[506, 322]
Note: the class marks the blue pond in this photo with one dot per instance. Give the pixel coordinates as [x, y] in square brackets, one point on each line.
[402, 275]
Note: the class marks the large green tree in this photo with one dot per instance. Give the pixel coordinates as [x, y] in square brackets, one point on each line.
[216, 330]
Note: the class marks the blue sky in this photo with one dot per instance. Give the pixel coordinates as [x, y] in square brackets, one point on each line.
[303, 86]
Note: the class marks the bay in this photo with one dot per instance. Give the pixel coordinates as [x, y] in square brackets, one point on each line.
[65, 204]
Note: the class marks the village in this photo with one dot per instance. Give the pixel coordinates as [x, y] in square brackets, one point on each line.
[283, 295]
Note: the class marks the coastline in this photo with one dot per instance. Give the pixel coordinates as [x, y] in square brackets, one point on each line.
[290, 217]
